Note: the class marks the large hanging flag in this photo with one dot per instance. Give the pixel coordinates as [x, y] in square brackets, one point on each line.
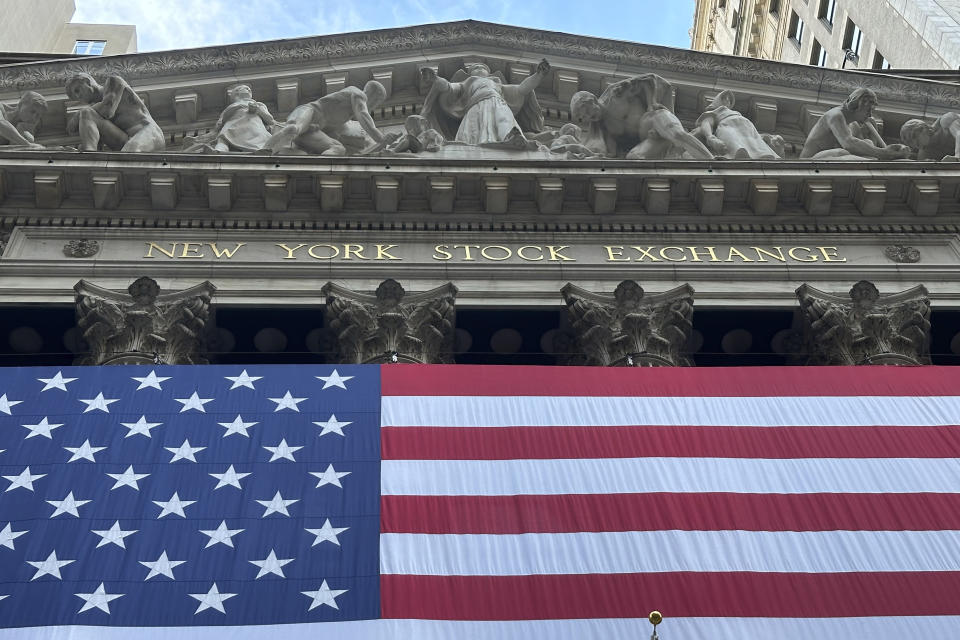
[516, 503]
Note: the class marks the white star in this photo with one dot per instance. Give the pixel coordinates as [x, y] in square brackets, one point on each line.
[287, 402]
[282, 450]
[42, 428]
[327, 533]
[101, 403]
[242, 380]
[162, 566]
[332, 426]
[193, 402]
[114, 535]
[6, 404]
[229, 478]
[67, 505]
[8, 535]
[127, 479]
[271, 564]
[140, 427]
[329, 476]
[151, 381]
[324, 595]
[56, 382]
[212, 599]
[99, 599]
[24, 480]
[276, 504]
[174, 505]
[334, 380]
[221, 535]
[49, 567]
[83, 452]
[184, 452]
[237, 426]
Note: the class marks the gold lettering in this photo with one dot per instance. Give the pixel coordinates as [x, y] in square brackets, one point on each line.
[790, 252]
[382, 252]
[663, 254]
[645, 253]
[335, 250]
[187, 249]
[829, 253]
[466, 251]
[225, 252]
[776, 256]
[507, 252]
[353, 250]
[290, 251]
[153, 245]
[523, 257]
[441, 248]
[556, 256]
[734, 250]
[615, 254]
[696, 254]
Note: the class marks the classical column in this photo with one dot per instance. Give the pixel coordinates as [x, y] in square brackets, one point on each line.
[865, 327]
[391, 325]
[141, 325]
[629, 328]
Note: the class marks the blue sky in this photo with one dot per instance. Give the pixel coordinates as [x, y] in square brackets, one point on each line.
[174, 24]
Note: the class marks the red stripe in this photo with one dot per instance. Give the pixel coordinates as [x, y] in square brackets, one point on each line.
[664, 511]
[487, 380]
[776, 595]
[519, 443]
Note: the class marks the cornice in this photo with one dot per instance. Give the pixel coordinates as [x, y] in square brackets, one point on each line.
[627, 57]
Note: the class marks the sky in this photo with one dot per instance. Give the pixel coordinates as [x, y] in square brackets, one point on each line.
[179, 24]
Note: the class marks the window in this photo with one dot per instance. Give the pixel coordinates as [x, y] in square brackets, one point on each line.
[774, 7]
[879, 62]
[826, 10]
[89, 47]
[852, 38]
[795, 32]
[818, 55]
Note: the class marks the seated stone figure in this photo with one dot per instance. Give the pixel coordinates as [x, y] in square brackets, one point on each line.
[323, 126]
[19, 124]
[418, 137]
[113, 116]
[630, 120]
[244, 125]
[832, 137]
[728, 133]
[937, 141]
[568, 142]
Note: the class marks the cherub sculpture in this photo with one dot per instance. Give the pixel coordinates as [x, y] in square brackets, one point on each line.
[417, 137]
[113, 116]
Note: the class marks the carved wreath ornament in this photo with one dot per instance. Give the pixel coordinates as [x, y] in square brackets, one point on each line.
[902, 253]
[81, 248]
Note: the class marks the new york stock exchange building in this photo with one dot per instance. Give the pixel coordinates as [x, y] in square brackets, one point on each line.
[477, 194]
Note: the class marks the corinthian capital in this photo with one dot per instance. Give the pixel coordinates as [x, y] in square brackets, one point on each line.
[865, 327]
[142, 325]
[629, 328]
[391, 325]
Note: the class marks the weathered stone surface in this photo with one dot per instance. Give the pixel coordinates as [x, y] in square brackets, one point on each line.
[866, 327]
[390, 325]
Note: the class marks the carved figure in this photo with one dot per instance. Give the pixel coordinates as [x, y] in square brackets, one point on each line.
[19, 124]
[833, 136]
[937, 141]
[478, 108]
[391, 325]
[418, 137]
[629, 328]
[244, 125]
[568, 142]
[323, 126]
[728, 133]
[867, 328]
[143, 326]
[113, 116]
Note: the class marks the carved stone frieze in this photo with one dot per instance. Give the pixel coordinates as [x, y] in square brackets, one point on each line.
[141, 325]
[866, 327]
[629, 327]
[82, 248]
[391, 325]
[902, 253]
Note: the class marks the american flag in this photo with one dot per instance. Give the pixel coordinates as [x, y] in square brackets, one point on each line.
[514, 503]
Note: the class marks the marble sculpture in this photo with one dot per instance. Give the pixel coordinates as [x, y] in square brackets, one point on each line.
[113, 116]
[937, 141]
[729, 134]
[244, 125]
[19, 123]
[834, 138]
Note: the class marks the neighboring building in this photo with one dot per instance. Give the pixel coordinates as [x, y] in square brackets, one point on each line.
[851, 34]
[44, 27]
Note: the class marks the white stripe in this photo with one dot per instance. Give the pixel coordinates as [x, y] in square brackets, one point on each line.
[874, 628]
[673, 475]
[662, 551]
[842, 411]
